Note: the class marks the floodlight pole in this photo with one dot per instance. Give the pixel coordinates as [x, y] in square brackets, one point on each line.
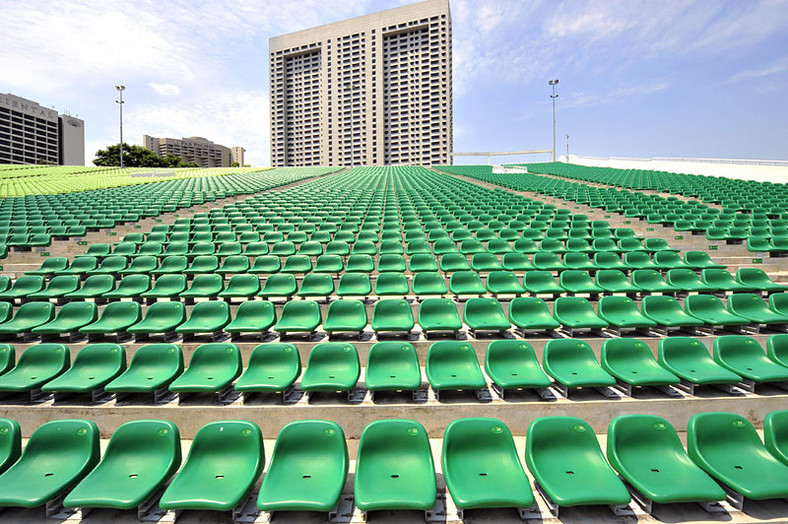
[567, 147]
[553, 83]
[120, 90]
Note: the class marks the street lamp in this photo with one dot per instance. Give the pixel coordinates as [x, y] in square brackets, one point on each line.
[120, 90]
[567, 147]
[553, 83]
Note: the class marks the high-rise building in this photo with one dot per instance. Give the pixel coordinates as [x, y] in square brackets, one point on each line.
[375, 89]
[192, 149]
[237, 155]
[32, 134]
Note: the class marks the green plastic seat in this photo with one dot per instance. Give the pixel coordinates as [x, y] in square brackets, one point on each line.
[266, 264]
[152, 367]
[332, 367]
[95, 286]
[778, 302]
[687, 280]
[669, 260]
[754, 278]
[392, 284]
[131, 286]
[316, 285]
[172, 265]
[241, 286]
[308, 468]
[503, 283]
[354, 284]
[391, 262]
[346, 315]
[512, 365]
[392, 316]
[688, 359]
[541, 283]
[753, 308]
[712, 312]
[201, 249]
[485, 262]
[212, 368]
[392, 366]
[516, 262]
[358, 263]
[481, 466]
[720, 279]
[548, 261]
[202, 264]
[622, 314]
[577, 315]
[93, 368]
[58, 456]
[98, 250]
[631, 362]
[394, 468]
[252, 316]
[50, 266]
[127, 249]
[745, 357]
[299, 316]
[646, 451]
[667, 313]
[777, 349]
[466, 283]
[775, 434]
[204, 286]
[37, 365]
[531, 314]
[297, 264]
[609, 260]
[166, 286]
[485, 314]
[58, 287]
[161, 317]
[111, 265]
[651, 281]
[10, 443]
[429, 284]
[421, 262]
[451, 262]
[79, 266]
[27, 317]
[234, 265]
[452, 365]
[206, 317]
[571, 362]
[579, 261]
[438, 314]
[7, 359]
[701, 260]
[329, 263]
[224, 461]
[140, 457]
[578, 282]
[272, 367]
[279, 285]
[174, 249]
[728, 448]
[566, 461]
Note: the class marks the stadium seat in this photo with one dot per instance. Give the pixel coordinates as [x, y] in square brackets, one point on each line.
[161, 317]
[631, 362]
[358, 263]
[451, 366]
[728, 448]
[253, 316]
[93, 368]
[266, 264]
[577, 315]
[241, 286]
[203, 286]
[27, 317]
[332, 367]
[667, 313]
[10, 443]
[530, 314]
[203, 264]
[212, 369]
[429, 284]
[94, 287]
[686, 280]
[354, 285]
[140, 457]
[206, 317]
[541, 283]
[165, 286]
[345, 316]
[57, 456]
[392, 316]
[57, 288]
[512, 365]
[485, 314]
[394, 468]
[777, 349]
[279, 285]
[451, 262]
[615, 281]
[651, 281]
[111, 265]
[481, 466]
[392, 284]
[225, 459]
[172, 265]
[50, 266]
[622, 314]
[571, 362]
[578, 282]
[37, 365]
[392, 366]
[421, 262]
[435, 314]
[745, 357]
[69, 319]
[273, 367]
[79, 266]
[316, 285]
[757, 279]
[503, 283]
[646, 451]
[712, 312]
[667, 260]
[131, 286]
[720, 279]
[301, 316]
[775, 425]
[141, 265]
[7, 358]
[308, 468]
[700, 260]
[516, 262]
[688, 359]
[564, 457]
[753, 308]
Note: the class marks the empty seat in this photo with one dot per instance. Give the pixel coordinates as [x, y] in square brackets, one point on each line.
[141, 265]
[57, 456]
[577, 282]
[212, 369]
[392, 316]
[728, 448]
[152, 367]
[428, 284]
[646, 451]
[203, 264]
[512, 365]
[503, 283]
[299, 316]
[632, 363]
[171, 265]
[777, 349]
[279, 285]
[161, 317]
[206, 317]
[392, 366]
[27, 317]
[204, 286]
[564, 457]
[392, 284]
[272, 367]
[266, 264]
[166, 286]
[623, 315]
[316, 285]
[481, 466]
[686, 280]
[233, 264]
[110, 265]
[57, 288]
[252, 316]
[332, 367]
[79, 266]
[69, 319]
[329, 263]
[667, 313]
[485, 314]
[745, 357]
[7, 358]
[437, 314]
[573, 365]
[451, 262]
[688, 358]
[394, 468]
[541, 283]
[10, 443]
[93, 368]
[50, 266]
[775, 434]
[530, 314]
[651, 281]
[753, 308]
[354, 284]
[94, 287]
[308, 468]
[754, 278]
[132, 286]
[452, 365]
[345, 315]
[712, 312]
[225, 459]
[36, 366]
[577, 315]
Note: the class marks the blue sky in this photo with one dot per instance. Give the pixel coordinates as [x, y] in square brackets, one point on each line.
[638, 78]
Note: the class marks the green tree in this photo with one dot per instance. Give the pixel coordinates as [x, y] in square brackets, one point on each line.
[137, 156]
[235, 164]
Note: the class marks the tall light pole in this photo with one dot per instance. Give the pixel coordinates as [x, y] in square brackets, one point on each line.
[120, 90]
[567, 147]
[553, 83]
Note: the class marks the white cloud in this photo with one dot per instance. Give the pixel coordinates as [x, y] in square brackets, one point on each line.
[165, 89]
[761, 72]
[580, 98]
